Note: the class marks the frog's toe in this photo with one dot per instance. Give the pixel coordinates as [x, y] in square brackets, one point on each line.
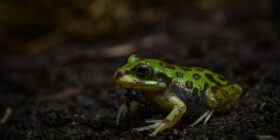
[157, 126]
[148, 127]
[160, 128]
[206, 116]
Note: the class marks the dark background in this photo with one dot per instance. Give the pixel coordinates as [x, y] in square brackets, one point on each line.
[57, 58]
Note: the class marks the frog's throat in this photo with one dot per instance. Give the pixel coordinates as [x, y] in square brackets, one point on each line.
[129, 81]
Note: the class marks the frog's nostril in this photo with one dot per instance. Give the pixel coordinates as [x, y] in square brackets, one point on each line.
[123, 72]
[117, 75]
[120, 73]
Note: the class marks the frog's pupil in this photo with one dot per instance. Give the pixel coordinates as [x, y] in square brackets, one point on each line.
[143, 69]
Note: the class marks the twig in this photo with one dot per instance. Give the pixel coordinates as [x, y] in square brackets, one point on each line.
[44, 42]
[6, 116]
[262, 105]
[108, 52]
[115, 51]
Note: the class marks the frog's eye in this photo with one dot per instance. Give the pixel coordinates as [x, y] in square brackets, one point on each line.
[143, 69]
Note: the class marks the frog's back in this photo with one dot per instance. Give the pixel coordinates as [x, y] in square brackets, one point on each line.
[200, 79]
[193, 78]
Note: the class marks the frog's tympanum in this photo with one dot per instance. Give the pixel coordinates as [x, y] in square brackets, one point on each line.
[181, 91]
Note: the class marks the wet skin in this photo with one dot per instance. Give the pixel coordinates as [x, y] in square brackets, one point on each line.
[182, 91]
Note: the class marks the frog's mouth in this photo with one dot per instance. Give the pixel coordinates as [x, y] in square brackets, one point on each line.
[132, 82]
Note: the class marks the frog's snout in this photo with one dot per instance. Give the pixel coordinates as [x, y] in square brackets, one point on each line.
[124, 79]
[119, 74]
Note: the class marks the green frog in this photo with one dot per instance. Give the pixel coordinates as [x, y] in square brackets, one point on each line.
[178, 90]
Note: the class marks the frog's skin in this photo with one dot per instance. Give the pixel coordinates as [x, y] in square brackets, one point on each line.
[182, 91]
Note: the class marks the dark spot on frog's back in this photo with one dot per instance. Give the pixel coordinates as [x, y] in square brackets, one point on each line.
[222, 78]
[214, 88]
[189, 84]
[162, 77]
[195, 92]
[179, 74]
[225, 93]
[206, 86]
[196, 76]
[210, 77]
[166, 65]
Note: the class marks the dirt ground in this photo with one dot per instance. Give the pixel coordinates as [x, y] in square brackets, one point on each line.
[66, 92]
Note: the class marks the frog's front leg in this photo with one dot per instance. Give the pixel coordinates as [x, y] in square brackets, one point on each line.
[178, 110]
[127, 108]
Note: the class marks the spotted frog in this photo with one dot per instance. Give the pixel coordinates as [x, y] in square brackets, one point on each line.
[179, 90]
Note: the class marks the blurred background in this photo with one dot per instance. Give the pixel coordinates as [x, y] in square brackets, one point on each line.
[32, 26]
[57, 58]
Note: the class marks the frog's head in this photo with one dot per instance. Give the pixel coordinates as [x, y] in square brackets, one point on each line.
[140, 74]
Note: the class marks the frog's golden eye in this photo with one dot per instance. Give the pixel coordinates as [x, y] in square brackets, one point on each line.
[143, 69]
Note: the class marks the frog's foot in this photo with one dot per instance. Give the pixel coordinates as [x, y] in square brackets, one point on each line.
[206, 116]
[157, 126]
[122, 112]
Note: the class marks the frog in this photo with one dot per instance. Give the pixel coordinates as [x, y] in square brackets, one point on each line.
[177, 90]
